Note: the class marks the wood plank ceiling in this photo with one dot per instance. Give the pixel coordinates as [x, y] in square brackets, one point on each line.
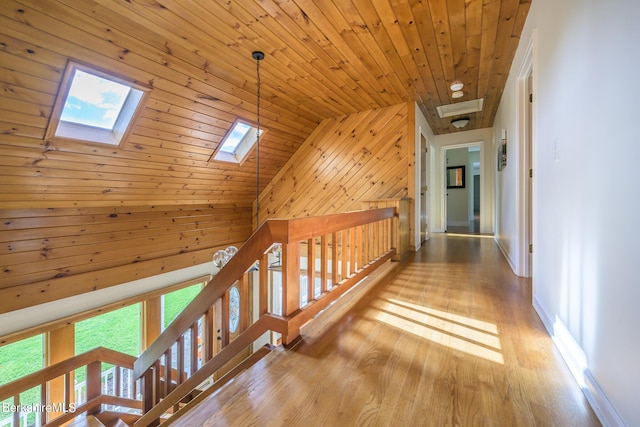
[324, 58]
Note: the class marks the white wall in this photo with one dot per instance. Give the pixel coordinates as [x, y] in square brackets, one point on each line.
[485, 138]
[586, 235]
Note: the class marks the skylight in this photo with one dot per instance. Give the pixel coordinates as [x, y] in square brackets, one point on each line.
[94, 101]
[238, 133]
[94, 106]
[237, 143]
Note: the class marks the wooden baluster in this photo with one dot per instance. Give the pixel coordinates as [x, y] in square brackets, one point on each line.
[263, 277]
[290, 278]
[363, 244]
[68, 388]
[194, 349]
[225, 320]
[148, 394]
[167, 371]
[324, 264]
[181, 364]
[43, 399]
[389, 240]
[94, 389]
[379, 227]
[117, 386]
[16, 414]
[344, 247]
[157, 383]
[311, 267]
[358, 248]
[243, 287]
[334, 259]
[352, 251]
[209, 335]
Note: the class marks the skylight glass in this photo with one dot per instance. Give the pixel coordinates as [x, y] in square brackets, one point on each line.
[95, 106]
[94, 101]
[238, 133]
[239, 140]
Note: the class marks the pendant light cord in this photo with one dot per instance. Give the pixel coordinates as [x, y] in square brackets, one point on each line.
[258, 56]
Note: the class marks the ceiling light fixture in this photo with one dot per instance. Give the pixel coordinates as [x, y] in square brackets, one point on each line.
[456, 86]
[258, 56]
[457, 94]
[460, 123]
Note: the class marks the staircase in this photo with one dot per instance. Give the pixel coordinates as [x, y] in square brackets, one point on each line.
[92, 421]
[326, 255]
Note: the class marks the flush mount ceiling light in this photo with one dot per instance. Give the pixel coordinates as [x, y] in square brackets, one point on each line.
[460, 123]
[456, 86]
[457, 94]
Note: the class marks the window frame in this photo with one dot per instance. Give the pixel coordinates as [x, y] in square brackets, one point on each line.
[223, 156]
[127, 117]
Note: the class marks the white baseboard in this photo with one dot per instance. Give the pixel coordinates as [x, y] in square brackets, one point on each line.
[576, 360]
[606, 412]
[506, 256]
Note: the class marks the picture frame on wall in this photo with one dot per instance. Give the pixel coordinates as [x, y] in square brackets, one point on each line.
[502, 150]
[456, 176]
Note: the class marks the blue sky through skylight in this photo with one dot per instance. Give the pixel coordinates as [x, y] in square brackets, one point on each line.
[94, 101]
[239, 131]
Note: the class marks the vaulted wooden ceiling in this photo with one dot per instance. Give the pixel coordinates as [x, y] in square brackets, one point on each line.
[324, 58]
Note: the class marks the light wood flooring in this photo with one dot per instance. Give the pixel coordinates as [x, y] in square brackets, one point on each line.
[450, 339]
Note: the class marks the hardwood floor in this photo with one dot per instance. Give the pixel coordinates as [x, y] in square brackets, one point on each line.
[451, 339]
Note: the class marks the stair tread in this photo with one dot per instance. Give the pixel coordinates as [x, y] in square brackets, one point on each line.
[119, 423]
[89, 421]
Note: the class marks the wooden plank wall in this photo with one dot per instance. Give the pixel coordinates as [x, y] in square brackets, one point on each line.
[48, 254]
[346, 160]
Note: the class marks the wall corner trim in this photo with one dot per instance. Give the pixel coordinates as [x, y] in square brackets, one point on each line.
[576, 361]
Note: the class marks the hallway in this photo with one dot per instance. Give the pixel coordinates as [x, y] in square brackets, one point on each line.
[450, 339]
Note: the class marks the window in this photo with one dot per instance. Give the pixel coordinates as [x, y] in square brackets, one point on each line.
[118, 330]
[174, 302]
[237, 142]
[16, 361]
[94, 106]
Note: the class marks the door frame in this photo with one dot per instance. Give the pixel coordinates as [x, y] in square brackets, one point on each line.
[423, 207]
[525, 194]
[443, 170]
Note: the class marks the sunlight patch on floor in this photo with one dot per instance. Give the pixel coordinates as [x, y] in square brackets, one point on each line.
[468, 321]
[442, 330]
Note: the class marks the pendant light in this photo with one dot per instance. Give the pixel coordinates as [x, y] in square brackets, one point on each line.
[258, 56]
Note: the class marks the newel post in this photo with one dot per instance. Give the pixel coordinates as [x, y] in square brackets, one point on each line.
[94, 386]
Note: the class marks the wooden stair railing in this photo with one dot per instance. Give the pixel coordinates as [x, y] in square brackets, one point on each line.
[95, 397]
[330, 253]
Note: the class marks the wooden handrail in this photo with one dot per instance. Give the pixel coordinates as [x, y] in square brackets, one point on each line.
[264, 324]
[353, 244]
[99, 354]
[257, 245]
[270, 232]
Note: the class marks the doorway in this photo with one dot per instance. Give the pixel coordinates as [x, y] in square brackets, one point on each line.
[462, 199]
